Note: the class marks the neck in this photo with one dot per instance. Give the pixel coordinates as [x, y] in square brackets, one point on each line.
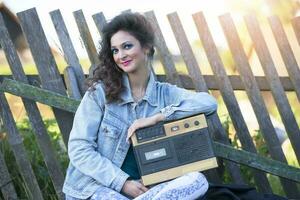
[139, 79]
[138, 83]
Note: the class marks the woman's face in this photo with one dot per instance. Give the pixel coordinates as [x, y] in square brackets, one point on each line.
[127, 52]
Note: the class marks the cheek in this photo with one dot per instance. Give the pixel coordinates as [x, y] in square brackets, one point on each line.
[115, 58]
[141, 57]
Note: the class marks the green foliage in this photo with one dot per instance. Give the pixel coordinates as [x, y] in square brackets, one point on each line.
[261, 148]
[36, 158]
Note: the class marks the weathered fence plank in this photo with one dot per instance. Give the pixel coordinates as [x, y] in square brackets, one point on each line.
[228, 96]
[200, 85]
[296, 27]
[86, 37]
[6, 184]
[47, 68]
[16, 144]
[271, 74]
[286, 52]
[39, 95]
[163, 51]
[197, 78]
[100, 21]
[68, 49]
[256, 99]
[34, 115]
[187, 52]
[70, 78]
[258, 162]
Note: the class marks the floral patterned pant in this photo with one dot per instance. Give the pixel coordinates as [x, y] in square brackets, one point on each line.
[190, 186]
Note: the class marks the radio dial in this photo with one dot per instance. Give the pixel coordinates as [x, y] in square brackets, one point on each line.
[186, 125]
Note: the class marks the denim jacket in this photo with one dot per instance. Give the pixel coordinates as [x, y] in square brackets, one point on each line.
[97, 145]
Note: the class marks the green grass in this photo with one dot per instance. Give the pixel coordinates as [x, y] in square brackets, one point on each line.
[35, 158]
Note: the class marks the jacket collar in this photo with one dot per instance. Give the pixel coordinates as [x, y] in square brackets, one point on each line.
[150, 95]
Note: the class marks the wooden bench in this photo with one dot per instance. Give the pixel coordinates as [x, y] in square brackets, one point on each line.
[63, 94]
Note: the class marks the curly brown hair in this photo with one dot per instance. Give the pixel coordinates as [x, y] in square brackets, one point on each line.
[107, 71]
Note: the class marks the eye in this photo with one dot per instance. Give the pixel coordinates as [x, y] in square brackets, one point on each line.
[127, 46]
[114, 51]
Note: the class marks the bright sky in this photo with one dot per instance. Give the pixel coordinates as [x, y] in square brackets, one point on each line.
[185, 9]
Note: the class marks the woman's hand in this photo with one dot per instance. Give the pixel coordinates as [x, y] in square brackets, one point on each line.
[133, 188]
[144, 122]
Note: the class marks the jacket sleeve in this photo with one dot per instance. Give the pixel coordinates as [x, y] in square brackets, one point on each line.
[182, 103]
[82, 143]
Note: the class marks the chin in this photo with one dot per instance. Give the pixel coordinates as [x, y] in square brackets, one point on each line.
[129, 69]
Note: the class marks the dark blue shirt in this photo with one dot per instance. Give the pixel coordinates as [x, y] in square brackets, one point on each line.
[130, 166]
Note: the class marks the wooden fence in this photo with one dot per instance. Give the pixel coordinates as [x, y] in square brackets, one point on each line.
[63, 94]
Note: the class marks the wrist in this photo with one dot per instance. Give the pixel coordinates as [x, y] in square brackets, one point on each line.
[159, 117]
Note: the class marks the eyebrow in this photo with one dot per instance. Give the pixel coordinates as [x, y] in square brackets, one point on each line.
[122, 44]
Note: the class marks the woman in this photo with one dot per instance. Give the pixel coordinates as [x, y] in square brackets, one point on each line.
[122, 98]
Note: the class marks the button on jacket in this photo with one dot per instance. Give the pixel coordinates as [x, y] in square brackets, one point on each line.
[97, 145]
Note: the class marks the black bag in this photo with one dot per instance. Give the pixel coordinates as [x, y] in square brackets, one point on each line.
[236, 192]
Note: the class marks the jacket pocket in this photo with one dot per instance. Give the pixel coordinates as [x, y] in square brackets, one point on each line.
[112, 126]
[111, 132]
[109, 137]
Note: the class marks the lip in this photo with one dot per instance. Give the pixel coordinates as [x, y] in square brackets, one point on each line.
[126, 63]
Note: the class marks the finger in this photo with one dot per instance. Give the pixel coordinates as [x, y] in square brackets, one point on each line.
[127, 140]
[128, 135]
[142, 187]
[137, 192]
[129, 132]
[141, 192]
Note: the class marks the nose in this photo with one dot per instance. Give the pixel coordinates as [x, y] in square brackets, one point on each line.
[122, 55]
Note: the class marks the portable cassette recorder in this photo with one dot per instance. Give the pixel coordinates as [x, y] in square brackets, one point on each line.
[170, 149]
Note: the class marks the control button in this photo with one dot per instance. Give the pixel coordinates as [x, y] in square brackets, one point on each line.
[186, 125]
[175, 128]
[196, 122]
